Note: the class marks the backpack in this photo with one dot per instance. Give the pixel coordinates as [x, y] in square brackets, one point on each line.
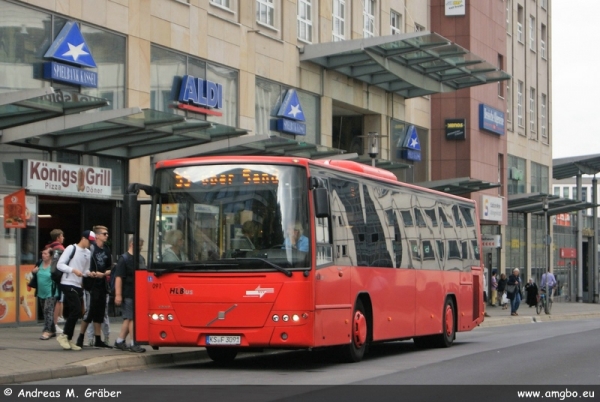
[113, 276]
[55, 273]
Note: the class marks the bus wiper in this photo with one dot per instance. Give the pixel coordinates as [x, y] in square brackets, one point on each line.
[159, 272]
[269, 263]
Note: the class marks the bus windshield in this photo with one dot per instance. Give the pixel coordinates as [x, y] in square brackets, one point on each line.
[231, 218]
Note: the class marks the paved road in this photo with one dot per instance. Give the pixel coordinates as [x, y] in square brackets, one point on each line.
[25, 358]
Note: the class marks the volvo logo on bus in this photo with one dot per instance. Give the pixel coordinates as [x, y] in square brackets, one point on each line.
[259, 292]
[181, 291]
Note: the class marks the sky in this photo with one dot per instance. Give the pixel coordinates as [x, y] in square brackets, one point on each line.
[575, 77]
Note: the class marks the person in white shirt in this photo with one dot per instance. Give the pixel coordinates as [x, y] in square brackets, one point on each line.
[74, 269]
[549, 281]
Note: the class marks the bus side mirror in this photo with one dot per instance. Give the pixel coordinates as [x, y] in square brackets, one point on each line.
[321, 199]
[131, 212]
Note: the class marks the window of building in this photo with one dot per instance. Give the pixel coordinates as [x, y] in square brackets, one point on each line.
[516, 186]
[539, 178]
[520, 24]
[221, 3]
[575, 193]
[532, 29]
[501, 83]
[556, 190]
[167, 66]
[339, 20]
[532, 109]
[544, 117]
[543, 40]
[544, 4]
[509, 104]
[508, 17]
[368, 18]
[520, 104]
[395, 22]
[268, 98]
[566, 192]
[305, 20]
[419, 28]
[265, 12]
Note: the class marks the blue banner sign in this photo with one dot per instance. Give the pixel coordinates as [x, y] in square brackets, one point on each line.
[491, 119]
[70, 74]
[291, 127]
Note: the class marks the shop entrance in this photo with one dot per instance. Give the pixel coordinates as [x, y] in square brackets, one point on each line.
[347, 129]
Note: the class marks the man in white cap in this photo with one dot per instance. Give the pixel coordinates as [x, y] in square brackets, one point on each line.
[74, 263]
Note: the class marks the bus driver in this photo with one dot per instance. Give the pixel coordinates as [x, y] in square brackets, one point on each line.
[295, 239]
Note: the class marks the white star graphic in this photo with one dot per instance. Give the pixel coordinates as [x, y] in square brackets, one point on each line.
[75, 51]
[295, 110]
[414, 143]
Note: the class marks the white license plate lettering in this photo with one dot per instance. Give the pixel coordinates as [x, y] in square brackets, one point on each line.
[222, 340]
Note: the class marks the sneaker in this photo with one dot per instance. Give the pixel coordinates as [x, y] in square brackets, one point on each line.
[121, 346]
[79, 343]
[137, 349]
[58, 330]
[63, 341]
[102, 345]
[61, 320]
[91, 342]
[107, 340]
[74, 346]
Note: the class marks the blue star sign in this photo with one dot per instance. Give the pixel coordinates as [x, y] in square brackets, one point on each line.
[411, 145]
[291, 115]
[70, 47]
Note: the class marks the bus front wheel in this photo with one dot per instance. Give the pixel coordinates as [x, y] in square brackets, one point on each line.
[446, 338]
[221, 355]
[355, 350]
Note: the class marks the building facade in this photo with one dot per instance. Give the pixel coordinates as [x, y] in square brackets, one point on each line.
[108, 88]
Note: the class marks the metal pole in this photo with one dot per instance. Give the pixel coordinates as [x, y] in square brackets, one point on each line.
[595, 239]
[579, 244]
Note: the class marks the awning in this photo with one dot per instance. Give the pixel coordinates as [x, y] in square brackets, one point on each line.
[49, 120]
[533, 203]
[458, 186]
[265, 144]
[410, 65]
[564, 168]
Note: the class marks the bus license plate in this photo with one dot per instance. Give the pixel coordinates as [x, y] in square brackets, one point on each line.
[222, 340]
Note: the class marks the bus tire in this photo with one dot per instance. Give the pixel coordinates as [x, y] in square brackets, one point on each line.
[221, 355]
[446, 338]
[355, 350]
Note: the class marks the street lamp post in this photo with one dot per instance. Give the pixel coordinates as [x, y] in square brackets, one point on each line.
[547, 241]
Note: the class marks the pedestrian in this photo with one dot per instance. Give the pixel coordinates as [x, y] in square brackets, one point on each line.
[57, 237]
[46, 292]
[124, 293]
[494, 288]
[78, 267]
[502, 290]
[548, 283]
[532, 293]
[96, 297]
[515, 295]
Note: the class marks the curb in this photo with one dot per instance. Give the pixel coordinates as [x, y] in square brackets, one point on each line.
[509, 320]
[105, 364]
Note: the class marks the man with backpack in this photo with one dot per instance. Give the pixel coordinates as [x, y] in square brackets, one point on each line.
[74, 263]
[95, 293]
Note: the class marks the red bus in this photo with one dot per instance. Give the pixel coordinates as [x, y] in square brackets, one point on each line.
[281, 252]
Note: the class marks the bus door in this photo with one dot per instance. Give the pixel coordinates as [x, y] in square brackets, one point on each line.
[333, 304]
[142, 279]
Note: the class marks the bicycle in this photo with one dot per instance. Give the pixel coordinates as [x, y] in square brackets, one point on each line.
[542, 304]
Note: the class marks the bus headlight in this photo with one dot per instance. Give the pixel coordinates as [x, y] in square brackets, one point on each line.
[275, 318]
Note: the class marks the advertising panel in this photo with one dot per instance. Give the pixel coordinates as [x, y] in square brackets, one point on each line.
[27, 300]
[15, 210]
[8, 294]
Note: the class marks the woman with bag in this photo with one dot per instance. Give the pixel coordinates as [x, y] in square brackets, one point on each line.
[502, 299]
[513, 291]
[46, 292]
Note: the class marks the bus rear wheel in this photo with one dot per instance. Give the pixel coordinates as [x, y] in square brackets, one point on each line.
[446, 338]
[355, 350]
[221, 355]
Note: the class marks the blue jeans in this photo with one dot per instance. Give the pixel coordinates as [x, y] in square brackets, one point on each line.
[515, 303]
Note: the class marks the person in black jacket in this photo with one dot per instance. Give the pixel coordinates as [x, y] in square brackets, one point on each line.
[514, 296]
[501, 289]
[532, 293]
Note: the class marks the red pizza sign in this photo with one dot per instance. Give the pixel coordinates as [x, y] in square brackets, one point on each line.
[15, 210]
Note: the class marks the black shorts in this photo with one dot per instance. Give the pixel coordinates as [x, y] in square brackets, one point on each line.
[97, 307]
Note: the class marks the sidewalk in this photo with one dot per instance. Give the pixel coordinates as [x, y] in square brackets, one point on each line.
[25, 358]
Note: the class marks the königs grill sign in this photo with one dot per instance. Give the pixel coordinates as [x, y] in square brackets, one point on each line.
[43, 177]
